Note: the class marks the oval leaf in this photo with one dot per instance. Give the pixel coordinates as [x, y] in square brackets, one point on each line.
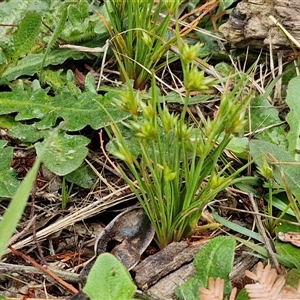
[109, 280]
[65, 153]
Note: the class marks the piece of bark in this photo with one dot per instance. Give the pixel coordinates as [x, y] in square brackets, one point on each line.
[162, 272]
[169, 259]
[164, 288]
[249, 23]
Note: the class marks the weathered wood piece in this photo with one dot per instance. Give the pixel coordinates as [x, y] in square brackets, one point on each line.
[158, 275]
[169, 259]
[249, 23]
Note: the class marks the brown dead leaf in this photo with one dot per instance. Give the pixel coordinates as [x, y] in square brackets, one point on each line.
[290, 237]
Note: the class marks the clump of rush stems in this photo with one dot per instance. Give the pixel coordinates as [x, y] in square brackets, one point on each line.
[139, 36]
[177, 171]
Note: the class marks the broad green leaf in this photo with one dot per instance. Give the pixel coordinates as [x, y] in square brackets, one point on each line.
[263, 252]
[264, 115]
[239, 146]
[8, 181]
[254, 246]
[65, 153]
[293, 101]
[16, 207]
[80, 111]
[292, 278]
[26, 34]
[259, 149]
[225, 69]
[31, 64]
[54, 79]
[84, 176]
[242, 295]
[25, 133]
[215, 259]
[74, 16]
[13, 11]
[109, 280]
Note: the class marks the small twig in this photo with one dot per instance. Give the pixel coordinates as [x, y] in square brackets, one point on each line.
[33, 227]
[105, 154]
[15, 237]
[8, 25]
[261, 228]
[84, 49]
[101, 178]
[102, 164]
[105, 48]
[66, 285]
[6, 268]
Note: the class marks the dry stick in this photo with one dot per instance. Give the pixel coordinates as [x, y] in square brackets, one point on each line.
[15, 237]
[261, 228]
[106, 46]
[105, 154]
[66, 285]
[93, 156]
[69, 276]
[33, 227]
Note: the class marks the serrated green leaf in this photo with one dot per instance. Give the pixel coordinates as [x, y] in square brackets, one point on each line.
[31, 64]
[74, 16]
[293, 101]
[264, 115]
[13, 11]
[62, 12]
[258, 150]
[215, 259]
[86, 109]
[25, 133]
[83, 8]
[54, 79]
[65, 153]
[26, 34]
[109, 280]
[8, 181]
[89, 83]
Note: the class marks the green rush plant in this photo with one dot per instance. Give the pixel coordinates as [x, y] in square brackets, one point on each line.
[139, 35]
[177, 172]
